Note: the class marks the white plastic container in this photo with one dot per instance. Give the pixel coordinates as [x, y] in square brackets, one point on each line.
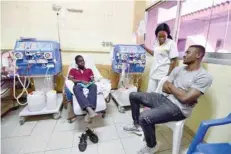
[36, 101]
[51, 97]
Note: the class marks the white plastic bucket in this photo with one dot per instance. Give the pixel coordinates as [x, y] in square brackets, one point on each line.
[51, 100]
[36, 101]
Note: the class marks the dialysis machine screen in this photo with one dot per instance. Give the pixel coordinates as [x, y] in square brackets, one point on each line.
[36, 57]
[132, 57]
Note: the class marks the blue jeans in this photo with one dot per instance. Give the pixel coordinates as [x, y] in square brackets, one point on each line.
[68, 94]
[162, 111]
[90, 100]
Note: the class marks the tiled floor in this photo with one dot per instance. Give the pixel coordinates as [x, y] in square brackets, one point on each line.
[43, 135]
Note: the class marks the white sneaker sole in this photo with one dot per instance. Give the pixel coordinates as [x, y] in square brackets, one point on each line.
[156, 149]
[134, 132]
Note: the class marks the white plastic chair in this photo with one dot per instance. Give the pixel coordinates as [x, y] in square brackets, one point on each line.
[177, 127]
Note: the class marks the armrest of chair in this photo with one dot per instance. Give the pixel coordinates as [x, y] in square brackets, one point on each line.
[69, 84]
[205, 125]
[217, 122]
[161, 84]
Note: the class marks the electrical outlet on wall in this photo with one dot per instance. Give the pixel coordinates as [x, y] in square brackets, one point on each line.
[107, 44]
[103, 44]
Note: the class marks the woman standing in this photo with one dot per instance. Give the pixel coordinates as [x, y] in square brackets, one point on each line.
[165, 56]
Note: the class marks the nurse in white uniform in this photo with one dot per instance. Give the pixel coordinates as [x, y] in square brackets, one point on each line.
[164, 54]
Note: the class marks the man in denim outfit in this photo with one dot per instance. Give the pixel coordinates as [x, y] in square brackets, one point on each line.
[184, 86]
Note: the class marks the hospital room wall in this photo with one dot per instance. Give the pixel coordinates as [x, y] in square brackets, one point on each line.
[138, 10]
[99, 58]
[26, 19]
[101, 21]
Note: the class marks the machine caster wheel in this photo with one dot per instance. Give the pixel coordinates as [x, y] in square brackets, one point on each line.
[56, 116]
[65, 106]
[108, 99]
[69, 121]
[121, 109]
[22, 120]
[103, 115]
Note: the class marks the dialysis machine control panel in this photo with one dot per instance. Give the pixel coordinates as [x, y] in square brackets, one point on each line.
[37, 57]
[132, 57]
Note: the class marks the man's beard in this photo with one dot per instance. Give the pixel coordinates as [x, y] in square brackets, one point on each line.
[81, 67]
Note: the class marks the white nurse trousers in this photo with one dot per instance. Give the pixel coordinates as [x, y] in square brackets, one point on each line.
[152, 85]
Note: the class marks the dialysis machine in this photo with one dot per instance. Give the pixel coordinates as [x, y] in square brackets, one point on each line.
[40, 60]
[127, 60]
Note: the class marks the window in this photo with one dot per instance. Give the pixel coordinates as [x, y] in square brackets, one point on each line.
[156, 15]
[219, 44]
[181, 46]
[206, 23]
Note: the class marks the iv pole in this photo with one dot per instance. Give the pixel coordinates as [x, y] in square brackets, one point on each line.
[57, 8]
[58, 28]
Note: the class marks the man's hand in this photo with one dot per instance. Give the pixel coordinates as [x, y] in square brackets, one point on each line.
[166, 87]
[148, 50]
[143, 45]
[92, 78]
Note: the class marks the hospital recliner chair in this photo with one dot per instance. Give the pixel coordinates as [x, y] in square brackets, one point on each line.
[101, 103]
[176, 126]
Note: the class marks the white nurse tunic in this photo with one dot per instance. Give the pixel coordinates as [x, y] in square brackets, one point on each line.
[161, 62]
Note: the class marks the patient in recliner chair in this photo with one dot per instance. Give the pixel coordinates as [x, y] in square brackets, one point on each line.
[84, 78]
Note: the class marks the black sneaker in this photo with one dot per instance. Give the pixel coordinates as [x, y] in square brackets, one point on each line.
[93, 137]
[83, 142]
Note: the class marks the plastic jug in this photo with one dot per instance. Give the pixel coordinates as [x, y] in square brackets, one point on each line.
[51, 99]
[36, 101]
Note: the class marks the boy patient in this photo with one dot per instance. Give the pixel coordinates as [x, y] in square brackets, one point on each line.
[84, 78]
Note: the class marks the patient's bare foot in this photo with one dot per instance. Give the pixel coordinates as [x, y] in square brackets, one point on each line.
[92, 115]
[88, 119]
[91, 112]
